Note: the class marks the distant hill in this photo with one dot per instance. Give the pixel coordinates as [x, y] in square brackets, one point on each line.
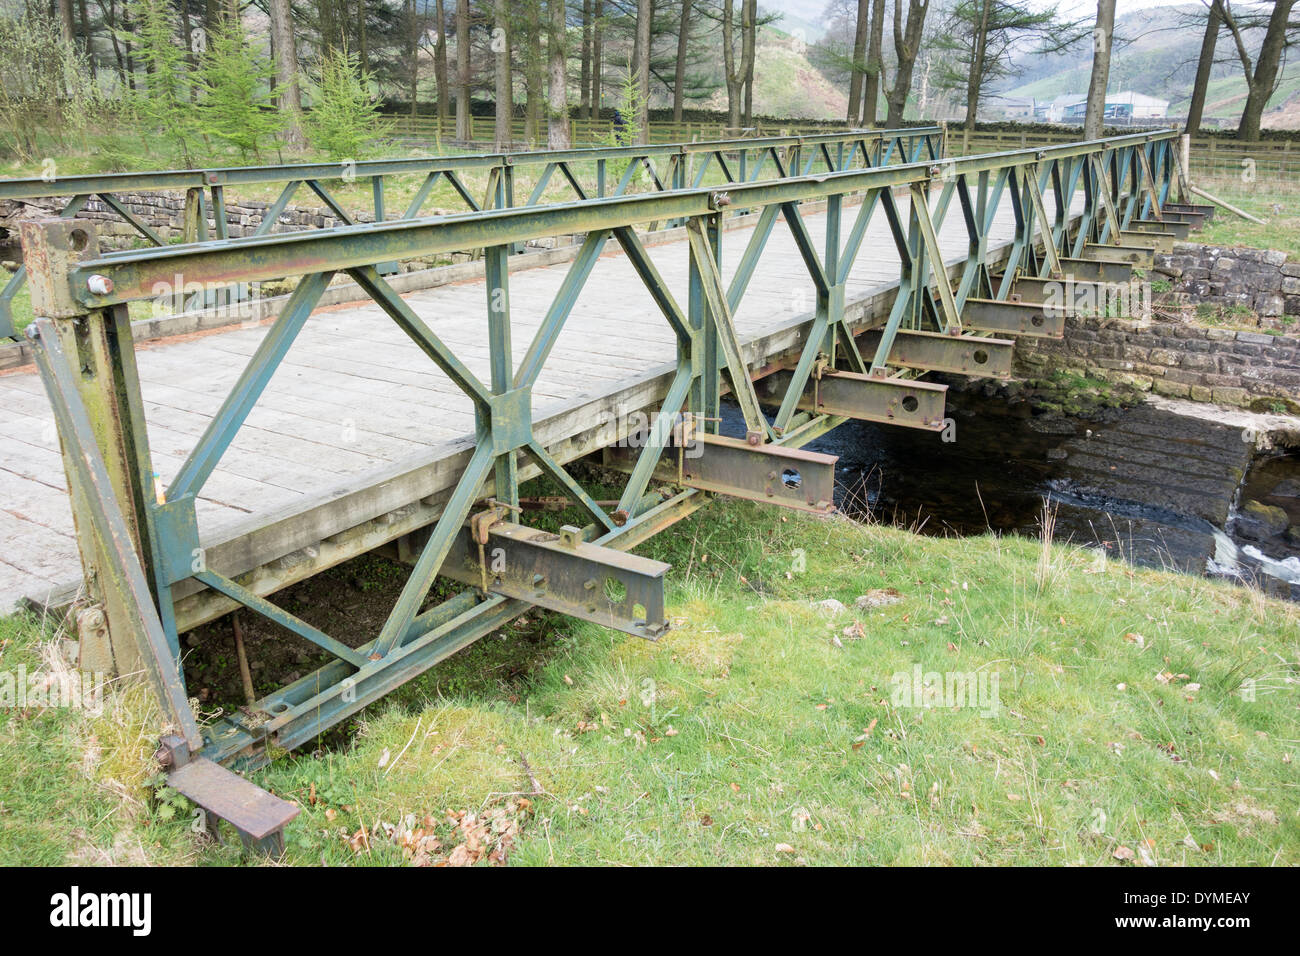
[1155, 53]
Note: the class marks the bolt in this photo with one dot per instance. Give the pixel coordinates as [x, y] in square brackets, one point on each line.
[164, 756]
[99, 285]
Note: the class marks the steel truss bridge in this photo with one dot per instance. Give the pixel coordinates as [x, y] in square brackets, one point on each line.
[1082, 216]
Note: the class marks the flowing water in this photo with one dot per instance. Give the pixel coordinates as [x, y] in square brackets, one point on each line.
[1143, 483]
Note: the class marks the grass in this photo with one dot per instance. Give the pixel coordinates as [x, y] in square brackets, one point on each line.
[1276, 202]
[765, 730]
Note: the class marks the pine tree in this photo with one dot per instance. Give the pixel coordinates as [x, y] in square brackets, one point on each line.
[161, 99]
[237, 106]
[344, 121]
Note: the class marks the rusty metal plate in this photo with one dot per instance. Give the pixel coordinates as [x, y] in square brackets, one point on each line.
[1042, 318]
[222, 793]
[866, 398]
[1162, 242]
[804, 480]
[1201, 209]
[1143, 256]
[1177, 227]
[564, 573]
[961, 354]
[1095, 270]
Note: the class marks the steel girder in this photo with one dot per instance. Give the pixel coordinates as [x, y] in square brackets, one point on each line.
[141, 542]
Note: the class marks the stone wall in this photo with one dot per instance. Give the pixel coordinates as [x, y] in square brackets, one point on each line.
[1259, 280]
[1178, 359]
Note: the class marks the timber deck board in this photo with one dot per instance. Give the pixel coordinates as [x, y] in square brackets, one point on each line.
[356, 405]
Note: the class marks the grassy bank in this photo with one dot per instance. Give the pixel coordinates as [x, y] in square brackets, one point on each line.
[767, 729]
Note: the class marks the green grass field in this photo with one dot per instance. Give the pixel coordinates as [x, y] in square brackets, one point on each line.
[1140, 717]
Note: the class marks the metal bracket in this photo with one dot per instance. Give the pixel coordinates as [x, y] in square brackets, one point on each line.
[867, 398]
[562, 573]
[1034, 319]
[792, 477]
[960, 354]
[1143, 257]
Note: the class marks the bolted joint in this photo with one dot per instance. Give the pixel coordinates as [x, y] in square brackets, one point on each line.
[719, 200]
[99, 285]
[52, 249]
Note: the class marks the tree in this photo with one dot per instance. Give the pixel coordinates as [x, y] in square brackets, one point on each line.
[982, 36]
[735, 73]
[46, 92]
[871, 79]
[679, 74]
[907, 43]
[1261, 81]
[162, 101]
[1213, 23]
[641, 67]
[286, 69]
[440, 65]
[344, 121]
[557, 111]
[504, 99]
[1102, 38]
[237, 103]
[464, 120]
[858, 68]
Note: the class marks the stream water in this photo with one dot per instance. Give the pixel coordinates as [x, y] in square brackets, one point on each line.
[1145, 484]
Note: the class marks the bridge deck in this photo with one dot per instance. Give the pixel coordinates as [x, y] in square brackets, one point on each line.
[357, 416]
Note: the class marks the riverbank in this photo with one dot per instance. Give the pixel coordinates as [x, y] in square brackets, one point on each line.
[992, 700]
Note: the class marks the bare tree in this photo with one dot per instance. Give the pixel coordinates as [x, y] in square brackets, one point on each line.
[1102, 37]
[1261, 80]
[907, 43]
[557, 112]
[871, 79]
[286, 69]
[584, 74]
[859, 60]
[749, 43]
[597, 51]
[735, 73]
[1213, 24]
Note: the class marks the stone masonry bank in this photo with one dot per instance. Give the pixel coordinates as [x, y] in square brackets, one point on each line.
[1180, 359]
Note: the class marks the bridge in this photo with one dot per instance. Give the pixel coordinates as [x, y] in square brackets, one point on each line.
[813, 279]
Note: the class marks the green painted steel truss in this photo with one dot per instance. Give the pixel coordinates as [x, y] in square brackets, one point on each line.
[140, 543]
[595, 172]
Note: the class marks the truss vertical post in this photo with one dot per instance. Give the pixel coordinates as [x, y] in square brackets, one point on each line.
[506, 470]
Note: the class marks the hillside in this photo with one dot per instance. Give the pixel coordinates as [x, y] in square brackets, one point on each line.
[1156, 53]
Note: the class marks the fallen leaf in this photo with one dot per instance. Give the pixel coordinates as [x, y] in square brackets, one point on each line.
[1123, 853]
[784, 848]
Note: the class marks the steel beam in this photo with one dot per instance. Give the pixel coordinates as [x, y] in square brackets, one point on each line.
[867, 398]
[1143, 257]
[564, 573]
[960, 354]
[1040, 319]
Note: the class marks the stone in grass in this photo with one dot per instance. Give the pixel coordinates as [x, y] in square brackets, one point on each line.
[878, 597]
[1260, 521]
[829, 606]
[1293, 535]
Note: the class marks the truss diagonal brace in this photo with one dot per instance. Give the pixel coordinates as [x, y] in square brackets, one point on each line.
[564, 573]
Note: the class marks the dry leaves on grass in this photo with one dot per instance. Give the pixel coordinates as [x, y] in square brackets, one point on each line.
[459, 838]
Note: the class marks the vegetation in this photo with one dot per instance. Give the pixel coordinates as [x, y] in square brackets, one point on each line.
[1140, 717]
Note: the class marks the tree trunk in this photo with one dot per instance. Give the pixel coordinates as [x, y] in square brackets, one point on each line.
[440, 65]
[979, 44]
[1102, 34]
[749, 23]
[557, 112]
[534, 68]
[907, 43]
[503, 104]
[644, 13]
[65, 21]
[286, 69]
[464, 120]
[679, 77]
[1213, 23]
[597, 61]
[584, 73]
[858, 71]
[871, 82]
[733, 79]
[1264, 81]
